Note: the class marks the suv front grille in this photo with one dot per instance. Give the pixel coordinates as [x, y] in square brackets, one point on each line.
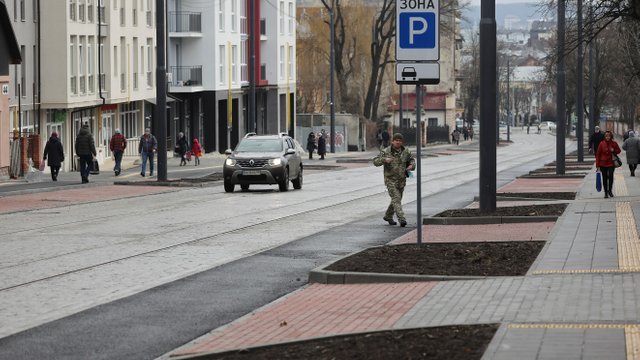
[253, 163]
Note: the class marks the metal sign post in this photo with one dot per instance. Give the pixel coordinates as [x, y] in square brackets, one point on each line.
[417, 55]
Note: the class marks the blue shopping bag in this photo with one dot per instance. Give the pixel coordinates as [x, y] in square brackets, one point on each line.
[598, 181]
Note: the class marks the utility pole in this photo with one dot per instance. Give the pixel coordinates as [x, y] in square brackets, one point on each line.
[160, 114]
[579, 95]
[331, 81]
[253, 126]
[488, 106]
[560, 94]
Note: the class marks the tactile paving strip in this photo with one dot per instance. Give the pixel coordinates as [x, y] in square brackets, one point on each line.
[619, 185]
[627, 237]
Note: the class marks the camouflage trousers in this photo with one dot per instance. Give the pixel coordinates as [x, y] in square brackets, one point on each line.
[395, 192]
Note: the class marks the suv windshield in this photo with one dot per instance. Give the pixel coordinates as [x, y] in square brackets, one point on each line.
[260, 145]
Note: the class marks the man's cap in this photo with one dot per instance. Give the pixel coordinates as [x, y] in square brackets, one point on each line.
[147, 130]
[117, 131]
[597, 127]
[398, 136]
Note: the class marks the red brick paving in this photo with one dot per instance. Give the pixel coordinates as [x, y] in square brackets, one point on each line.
[318, 310]
[542, 185]
[52, 199]
[476, 233]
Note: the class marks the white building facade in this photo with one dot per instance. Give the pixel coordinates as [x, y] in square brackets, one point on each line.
[209, 64]
[87, 62]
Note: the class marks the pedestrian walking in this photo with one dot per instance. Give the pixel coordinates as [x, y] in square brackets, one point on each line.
[54, 155]
[322, 144]
[604, 161]
[311, 144]
[397, 160]
[539, 129]
[594, 139]
[632, 148]
[147, 148]
[385, 138]
[196, 150]
[86, 150]
[182, 146]
[379, 138]
[117, 145]
[455, 136]
[465, 133]
[470, 133]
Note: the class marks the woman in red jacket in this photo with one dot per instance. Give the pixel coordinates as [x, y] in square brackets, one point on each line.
[604, 161]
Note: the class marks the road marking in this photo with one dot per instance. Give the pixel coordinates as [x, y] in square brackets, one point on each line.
[586, 271]
[627, 237]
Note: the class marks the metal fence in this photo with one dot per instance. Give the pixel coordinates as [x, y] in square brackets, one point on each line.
[185, 21]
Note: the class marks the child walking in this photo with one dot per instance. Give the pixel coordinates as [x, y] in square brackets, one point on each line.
[196, 150]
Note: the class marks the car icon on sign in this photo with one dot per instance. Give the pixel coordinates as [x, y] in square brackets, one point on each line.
[409, 72]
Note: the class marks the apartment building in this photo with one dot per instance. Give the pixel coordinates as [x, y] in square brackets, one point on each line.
[85, 62]
[209, 69]
[9, 54]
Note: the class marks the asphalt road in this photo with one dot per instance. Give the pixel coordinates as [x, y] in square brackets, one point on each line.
[134, 279]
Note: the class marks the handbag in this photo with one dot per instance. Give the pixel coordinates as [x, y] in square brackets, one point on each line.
[616, 161]
[598, 181]
[94, 168]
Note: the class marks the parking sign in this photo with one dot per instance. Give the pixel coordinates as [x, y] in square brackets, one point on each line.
[417, 30]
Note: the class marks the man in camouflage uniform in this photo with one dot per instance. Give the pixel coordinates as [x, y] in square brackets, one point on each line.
[397, 160]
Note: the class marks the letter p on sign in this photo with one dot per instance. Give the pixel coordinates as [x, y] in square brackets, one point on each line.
[417, 30]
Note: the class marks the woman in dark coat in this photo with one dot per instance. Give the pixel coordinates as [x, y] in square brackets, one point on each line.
[322, 145]
[181, 148]
[54, 154]
[311, 144]
[604, 161]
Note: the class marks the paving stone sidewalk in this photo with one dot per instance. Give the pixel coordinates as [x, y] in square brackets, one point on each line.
[579, 300]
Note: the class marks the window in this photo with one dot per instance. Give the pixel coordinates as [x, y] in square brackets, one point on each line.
[290, 18]
[282, 62]
[90, 11]
[243, 17]
[234, 64]
[221, 62]
[72, 66]
[281, 13]
[290, 74]
[149, 17]
[115, 4]
[115, 60]
[234, 15]
[221, 15]
[72, 10]
[135, 14]
[123, 63]
[91, 58]
[103, 78]
[23, 11]
[129, 114]
[149, 62]
[15, 10]
[135, 63]
[34, 9]
[123, 19]
[81, 11]
[244, 75]
[81, 66]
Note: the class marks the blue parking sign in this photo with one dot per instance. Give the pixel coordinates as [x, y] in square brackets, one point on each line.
[417, 30]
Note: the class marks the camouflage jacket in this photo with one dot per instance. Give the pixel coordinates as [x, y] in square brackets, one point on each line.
[395, 171]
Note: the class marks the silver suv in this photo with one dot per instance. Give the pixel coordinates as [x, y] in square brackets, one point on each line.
[263, 159]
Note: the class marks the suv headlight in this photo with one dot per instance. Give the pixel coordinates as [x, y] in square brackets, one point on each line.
[230, 162]
[275, 162]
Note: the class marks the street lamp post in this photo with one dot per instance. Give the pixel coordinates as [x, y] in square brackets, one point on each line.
[332, 103]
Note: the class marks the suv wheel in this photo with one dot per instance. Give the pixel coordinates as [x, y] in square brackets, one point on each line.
[244, 187]
[297, 182]
[284, 184]
[228, 187]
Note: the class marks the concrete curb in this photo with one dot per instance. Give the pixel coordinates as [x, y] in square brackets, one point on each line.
[553, 176]
[483, 220]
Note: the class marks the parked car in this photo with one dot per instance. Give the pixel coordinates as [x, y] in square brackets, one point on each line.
[548, 125]
[263, 159]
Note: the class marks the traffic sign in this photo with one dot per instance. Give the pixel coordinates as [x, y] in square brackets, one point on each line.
[417, 30]
[418, 73]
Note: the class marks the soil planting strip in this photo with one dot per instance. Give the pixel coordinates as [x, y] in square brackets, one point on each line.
[476, 220]
[475, 233]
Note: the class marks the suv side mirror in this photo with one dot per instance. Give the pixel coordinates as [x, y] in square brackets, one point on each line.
[228, 152]
[290, 151]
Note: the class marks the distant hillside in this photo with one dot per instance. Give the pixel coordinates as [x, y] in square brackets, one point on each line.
[525, 11]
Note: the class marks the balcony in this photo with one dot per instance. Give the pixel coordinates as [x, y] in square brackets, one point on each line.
[185, 24]
[186, 79]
